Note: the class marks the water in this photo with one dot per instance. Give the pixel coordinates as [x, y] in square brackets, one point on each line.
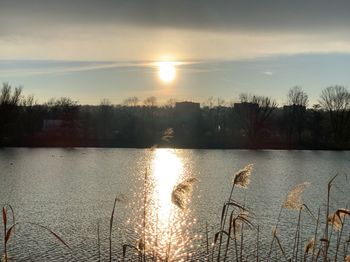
[72, 190]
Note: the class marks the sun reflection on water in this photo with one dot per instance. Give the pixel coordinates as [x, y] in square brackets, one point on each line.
[167, 227]
[167, 172]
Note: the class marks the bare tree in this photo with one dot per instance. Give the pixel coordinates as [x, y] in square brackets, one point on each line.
[336, 101]
[62, 102]
[294, 113]
[105, 106]
[296, 96]
[170, 103]
[8, 99]
[254, 111]
[266, 105]
[9, 110]
[212, 102]
[63, 108]
[28, 101]
[105, 102]
[131, 101]
[245, 98]
[150, 101]
[220, 102]
[209, 102]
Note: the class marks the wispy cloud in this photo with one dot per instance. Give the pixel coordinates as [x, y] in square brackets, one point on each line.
[15, 68]
[33, 68]
[268, 73]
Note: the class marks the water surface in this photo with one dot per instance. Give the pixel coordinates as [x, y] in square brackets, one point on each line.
[73, 190]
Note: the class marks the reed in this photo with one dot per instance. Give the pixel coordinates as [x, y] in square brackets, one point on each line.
[111, 228]
[310, 252]
[181, 193]
[294, 200]
[168, 134]
[229, 242]
[240, 179]
[9, 231]
[98, 242]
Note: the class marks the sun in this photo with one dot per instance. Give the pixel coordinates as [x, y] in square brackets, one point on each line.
[166, 71]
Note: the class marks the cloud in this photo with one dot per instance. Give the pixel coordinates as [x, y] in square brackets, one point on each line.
[13, 68]
[252, 15]
[135, 44]
[33, 68]
[143, 30]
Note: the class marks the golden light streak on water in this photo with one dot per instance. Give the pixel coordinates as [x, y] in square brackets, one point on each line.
[167, 227]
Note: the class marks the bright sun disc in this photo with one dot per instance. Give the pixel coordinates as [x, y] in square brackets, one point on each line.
[167, 71]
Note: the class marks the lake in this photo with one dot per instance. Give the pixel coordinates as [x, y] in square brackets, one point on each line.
[72, 191]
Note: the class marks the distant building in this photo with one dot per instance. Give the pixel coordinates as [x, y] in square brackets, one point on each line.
[186, 106]
[245, 106]
[186, 110]
[294, 108]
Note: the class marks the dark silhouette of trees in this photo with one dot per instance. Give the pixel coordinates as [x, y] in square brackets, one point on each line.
[131, 101]
[253, 122]
[218, 118]
[296, 96]
[294, 114]
[170, 103]
[150, 101]
[254, 112]
[63, 108]
[9, 111]
[336, 101]
[105, 121]
[9, 98]
[316, 125]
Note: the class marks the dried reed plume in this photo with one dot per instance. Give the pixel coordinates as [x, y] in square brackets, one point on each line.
[293, 200]
[153, 148]
[310, 246]
[242, 177]
[168, 134]
[182, 192]
[337, 219]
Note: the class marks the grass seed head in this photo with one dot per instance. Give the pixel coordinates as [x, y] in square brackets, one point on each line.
[293, 200]
[182, 192]
[242, 177]
[336, 219]
[310, 245]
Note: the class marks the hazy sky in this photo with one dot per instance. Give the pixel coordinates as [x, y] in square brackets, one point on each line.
[89, 49]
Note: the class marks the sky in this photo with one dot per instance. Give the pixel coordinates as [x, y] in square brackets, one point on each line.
[89, 50]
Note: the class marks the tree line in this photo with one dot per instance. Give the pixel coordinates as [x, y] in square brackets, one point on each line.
[252, 122]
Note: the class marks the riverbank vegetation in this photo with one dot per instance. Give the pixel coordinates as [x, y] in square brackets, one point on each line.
[238, 236]
[252, 121]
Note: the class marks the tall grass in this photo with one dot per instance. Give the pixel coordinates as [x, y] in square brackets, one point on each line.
[9, 231]
[326, 243]
[329, 239]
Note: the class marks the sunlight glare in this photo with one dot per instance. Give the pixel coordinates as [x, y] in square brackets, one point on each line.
[168, 225]
[166, 71]
[167, 171]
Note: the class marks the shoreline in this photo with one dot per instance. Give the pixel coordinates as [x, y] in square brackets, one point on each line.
[187, 148]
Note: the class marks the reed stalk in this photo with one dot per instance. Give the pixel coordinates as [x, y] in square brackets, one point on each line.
[111, 228]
